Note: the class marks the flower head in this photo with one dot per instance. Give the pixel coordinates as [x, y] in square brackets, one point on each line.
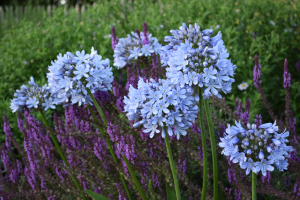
[156, 103]
[32, 97]
[71, 75]
[256, 148]
[134, 46]
[243, 86]
[192, 51]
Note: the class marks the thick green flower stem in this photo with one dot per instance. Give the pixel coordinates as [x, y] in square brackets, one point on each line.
[137, 184]
[203, 137]
[97, 106]
[116, 160]
[254, 194]
[213, 149]
[63, 156]
[172, 165]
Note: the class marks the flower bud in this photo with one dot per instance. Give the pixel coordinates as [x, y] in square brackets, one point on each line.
[249, 151]
[261, 155]
[276, 142]
[269, 149]
[248, 125]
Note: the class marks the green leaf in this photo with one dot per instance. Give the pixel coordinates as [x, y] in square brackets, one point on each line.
[170, 192]
[96, 196]
[150, 188]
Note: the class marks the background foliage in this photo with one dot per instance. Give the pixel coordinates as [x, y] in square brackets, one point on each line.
[29, 46]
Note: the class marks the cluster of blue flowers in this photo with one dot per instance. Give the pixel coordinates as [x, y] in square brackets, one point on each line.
[131, 48]
[71, 75]
[32, 97]
[256, 149]
[161, 102]
[193, 57]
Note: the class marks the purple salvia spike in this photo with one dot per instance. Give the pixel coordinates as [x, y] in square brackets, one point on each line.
[298, 65]
[258, 120]
[286, 76]
[256, 73]
[138, 32]
[145, 32]
[7, 132]
[114, 39]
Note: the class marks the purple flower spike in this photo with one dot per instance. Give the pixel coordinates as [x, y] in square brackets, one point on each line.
[286, 76]
[114, 39]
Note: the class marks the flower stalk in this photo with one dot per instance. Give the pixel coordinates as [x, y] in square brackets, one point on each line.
[213, 148]
[97, 106]
[63, 156]
[172, 165]
[203, 137]
[254, 179]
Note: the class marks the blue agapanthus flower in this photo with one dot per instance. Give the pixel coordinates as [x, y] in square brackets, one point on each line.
[131, 48]
[256, 149]
[70, 75]
[161, 102]
[195, 58]
[33, 97]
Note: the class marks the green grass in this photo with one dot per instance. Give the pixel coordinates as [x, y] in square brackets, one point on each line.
[39, 43]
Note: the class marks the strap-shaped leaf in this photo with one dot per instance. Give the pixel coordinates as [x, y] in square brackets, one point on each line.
[150, 188]
[96, 196]
[170, 192]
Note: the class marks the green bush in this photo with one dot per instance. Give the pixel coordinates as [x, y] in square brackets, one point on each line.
[38, 44]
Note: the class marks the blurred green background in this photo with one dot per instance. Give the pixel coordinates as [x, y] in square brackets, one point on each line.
[32, 33]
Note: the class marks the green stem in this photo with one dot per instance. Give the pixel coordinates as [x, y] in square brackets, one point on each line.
[63, 156]
[137, 184]
[97, 106]
[172, 165]
[111, 151]
[213, 149]
[254, 194]
[203, 137]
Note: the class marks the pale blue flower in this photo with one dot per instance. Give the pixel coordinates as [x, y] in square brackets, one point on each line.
[135, 53]
[250, 166]
[152, 128]
[209, 73]
[71, 76]
[197, 54]
[133, 47]
[281, 165]
[147, 50]
[66, 83]
[264, 166]
[81, 57]
[82, 70]
[32, 102]
[259, 143]
[32, 97]
[161, 102]
[48, 104]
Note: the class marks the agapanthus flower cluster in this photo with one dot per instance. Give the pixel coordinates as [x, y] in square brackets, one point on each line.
[71, 75]
[131, 48]
[161, 102]
[195, 58]
[32, 97]
[256, 149]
